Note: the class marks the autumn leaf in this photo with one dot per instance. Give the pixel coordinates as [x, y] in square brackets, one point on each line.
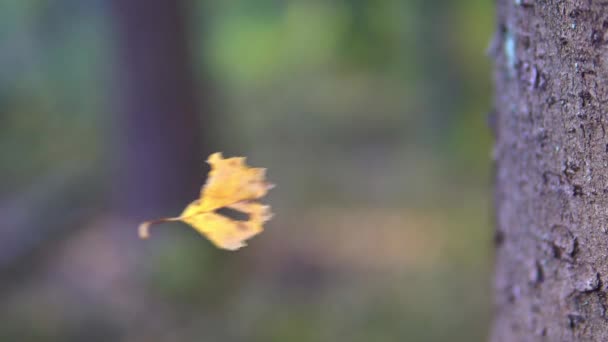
[230, 184]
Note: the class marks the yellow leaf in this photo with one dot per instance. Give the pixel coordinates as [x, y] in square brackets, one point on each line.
[230, 184]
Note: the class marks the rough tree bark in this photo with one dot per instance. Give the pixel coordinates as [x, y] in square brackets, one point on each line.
[551, 171]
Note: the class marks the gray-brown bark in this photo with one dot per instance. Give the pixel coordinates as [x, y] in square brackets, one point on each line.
[159, 160]
[551, 171]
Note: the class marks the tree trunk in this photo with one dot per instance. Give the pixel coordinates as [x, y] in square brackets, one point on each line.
[551, 171]
[159, 160]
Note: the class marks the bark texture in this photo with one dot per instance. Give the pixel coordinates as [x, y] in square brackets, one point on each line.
[551, 170]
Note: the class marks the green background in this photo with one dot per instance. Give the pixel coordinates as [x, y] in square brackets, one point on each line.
[370, 117]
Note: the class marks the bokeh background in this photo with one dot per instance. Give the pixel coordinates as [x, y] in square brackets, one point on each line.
[369, 115]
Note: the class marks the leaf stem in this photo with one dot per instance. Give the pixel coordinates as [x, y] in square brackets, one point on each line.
[144, 228]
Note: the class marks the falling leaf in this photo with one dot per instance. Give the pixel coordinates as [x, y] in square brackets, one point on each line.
[230, 184]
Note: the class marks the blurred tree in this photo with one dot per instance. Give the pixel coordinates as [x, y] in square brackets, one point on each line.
[551, 192]
[158, 123]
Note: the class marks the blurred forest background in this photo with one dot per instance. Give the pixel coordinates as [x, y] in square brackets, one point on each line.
[369, 115]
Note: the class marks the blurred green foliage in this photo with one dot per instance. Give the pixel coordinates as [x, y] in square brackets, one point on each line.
[353, 105]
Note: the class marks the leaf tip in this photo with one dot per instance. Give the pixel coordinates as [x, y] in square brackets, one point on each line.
[214, 157]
